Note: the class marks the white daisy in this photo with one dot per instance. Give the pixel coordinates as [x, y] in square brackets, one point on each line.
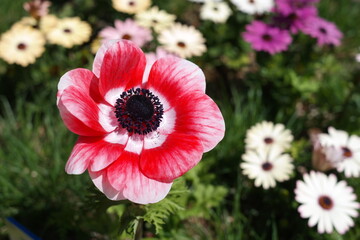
[22, 45]
[202, 1]
[254, 6]
[342, 150]
[155, 18]
[266, 166]
[217, 12]
[326, 202]
[185, 41]
[357, 57]
[268, 134]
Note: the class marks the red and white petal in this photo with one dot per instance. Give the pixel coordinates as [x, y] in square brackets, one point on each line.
[82, 79]
[99, 57]
[125, 175]
[173, 77]
[80, 113]
[197, 114]
[101, 181]
[177, 155]
[107, 117]
[122, 67]
[93, 153]
[157, 138]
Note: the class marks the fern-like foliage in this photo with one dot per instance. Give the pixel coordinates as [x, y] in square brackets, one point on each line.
[157, 213]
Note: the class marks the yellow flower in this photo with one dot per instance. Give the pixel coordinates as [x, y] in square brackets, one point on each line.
[131, 6]
[45, 23]
[25, 22]
[22, 45]
[69, 32]
[95, 45]
[153, 17]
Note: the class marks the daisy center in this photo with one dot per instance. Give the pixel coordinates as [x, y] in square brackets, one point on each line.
[266, 166]
[181, 44]
[127, 36]
[268, 140]
[139, 111]
[346, 152]
[267, 37]
[323, 30]
[67, 30]
[252, 1]
[131, 3]
[325, 202]
[21, 46]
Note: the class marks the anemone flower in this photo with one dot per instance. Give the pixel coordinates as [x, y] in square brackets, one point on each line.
[135, 138]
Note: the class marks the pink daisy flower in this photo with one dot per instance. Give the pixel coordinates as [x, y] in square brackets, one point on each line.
[128, 30]
[325, 32]
[135, 138]
[288, 6]
[295, 19]
[263, 37]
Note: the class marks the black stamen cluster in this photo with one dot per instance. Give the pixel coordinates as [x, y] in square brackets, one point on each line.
[139, 111]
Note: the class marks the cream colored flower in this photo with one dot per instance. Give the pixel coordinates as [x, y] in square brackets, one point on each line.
[47, 23]
[185, 41]
[217, 12]
[155, 18]
[44, 24]
[69, 32]
[95, 45]
[131, 6]
[25, 22]
[22, 45]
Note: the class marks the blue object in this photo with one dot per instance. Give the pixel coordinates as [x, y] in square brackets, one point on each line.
[19, 232]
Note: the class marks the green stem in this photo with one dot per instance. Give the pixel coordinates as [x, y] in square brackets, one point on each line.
[139, 230]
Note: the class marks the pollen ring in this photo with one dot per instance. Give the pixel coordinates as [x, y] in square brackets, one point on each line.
[139, 111]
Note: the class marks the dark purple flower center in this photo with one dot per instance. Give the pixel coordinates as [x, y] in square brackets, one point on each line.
[325, 202]
[67, 30]
[21, 46]
[266, 166]
[293, 16]
[268, 140]
[252, 1]
[346, 152]
[323, 30]
[139, 111]
[131, 3]
[267, 37]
